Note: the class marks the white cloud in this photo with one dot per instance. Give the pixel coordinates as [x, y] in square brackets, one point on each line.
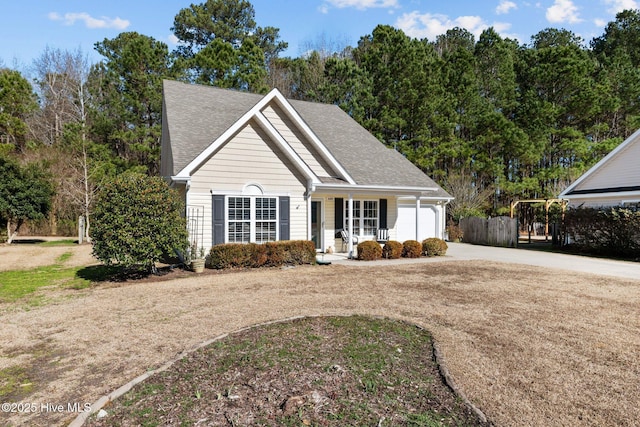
[173, 40]
[616, 6]
[563, 11]
[359, 4]
[600, 22]
[505, 7]
[430, 26]
[89, 21]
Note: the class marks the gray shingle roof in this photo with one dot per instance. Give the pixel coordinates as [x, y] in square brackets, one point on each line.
[197, 115]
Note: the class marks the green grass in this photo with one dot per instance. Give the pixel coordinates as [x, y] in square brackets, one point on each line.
[64, 242]
[19, 284]
[22, 285]
[14, 381]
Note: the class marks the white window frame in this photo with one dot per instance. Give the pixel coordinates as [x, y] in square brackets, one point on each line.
[253, 220]
[359, 216]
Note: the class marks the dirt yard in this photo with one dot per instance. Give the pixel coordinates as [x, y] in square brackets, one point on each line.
[527, 346]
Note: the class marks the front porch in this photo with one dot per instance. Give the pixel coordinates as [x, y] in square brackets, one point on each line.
[338, 222]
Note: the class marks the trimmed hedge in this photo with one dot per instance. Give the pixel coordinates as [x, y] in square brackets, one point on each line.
[369, 250]
[434, 247]
[411, 249]
[392, 250]
[253, 255]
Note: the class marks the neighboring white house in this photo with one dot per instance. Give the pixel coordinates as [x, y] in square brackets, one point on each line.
[258, 168]
[613, 181]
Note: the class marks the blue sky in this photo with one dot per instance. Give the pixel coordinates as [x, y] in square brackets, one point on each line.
[28, 26]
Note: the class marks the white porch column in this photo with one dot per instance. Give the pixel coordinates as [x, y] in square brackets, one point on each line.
[308, 216]
[418, 218]
[350, 226]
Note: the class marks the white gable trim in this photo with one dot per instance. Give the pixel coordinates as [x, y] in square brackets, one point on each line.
[254, 112]
[324, 152]
[598, 165]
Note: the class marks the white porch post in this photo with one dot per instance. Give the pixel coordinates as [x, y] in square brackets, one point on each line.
[418, 218]
[350, 226]
[308, 216]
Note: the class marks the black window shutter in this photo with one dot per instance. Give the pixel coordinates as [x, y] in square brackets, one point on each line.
[383, 213]
[217, 208]
[339, 214]
[285, 215]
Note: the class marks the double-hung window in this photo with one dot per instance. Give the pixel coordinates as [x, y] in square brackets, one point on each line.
[252, 219]
[365, 217]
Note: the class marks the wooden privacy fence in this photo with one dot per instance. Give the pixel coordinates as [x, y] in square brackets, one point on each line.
[498, 231]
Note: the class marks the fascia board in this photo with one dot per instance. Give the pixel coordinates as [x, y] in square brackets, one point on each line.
[603, 195]
[386, 189]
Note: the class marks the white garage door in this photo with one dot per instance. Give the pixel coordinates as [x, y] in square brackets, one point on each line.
[407, 222]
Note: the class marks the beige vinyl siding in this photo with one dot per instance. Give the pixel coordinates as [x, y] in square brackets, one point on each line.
[250, 158]
[622, 170]
[300, 144]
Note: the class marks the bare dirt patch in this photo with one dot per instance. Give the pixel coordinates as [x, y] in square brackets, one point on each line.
[526, 346]
[25, 256]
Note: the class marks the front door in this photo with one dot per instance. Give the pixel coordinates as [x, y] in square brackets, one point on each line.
[316, 223]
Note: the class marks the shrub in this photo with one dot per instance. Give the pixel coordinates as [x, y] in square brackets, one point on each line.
[232, 255]
[392, 250]
[252, 255]
[454, 232]
[300, 252]
[612, 231]
[411, 249]
[369, 250]
[137, 218]
[434, 247]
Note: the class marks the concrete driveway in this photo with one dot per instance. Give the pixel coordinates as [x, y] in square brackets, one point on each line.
[465, 251]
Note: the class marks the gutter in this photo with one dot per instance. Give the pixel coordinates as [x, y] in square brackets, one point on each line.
[410, 191]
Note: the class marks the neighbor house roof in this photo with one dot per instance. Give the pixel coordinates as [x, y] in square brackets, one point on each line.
[196, 116]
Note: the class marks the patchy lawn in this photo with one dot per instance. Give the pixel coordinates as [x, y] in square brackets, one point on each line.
[527, 346]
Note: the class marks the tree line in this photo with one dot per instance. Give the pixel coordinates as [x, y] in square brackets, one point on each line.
[492, 119]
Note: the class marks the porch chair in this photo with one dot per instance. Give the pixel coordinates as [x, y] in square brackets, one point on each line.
[344, 234]
[382, 235]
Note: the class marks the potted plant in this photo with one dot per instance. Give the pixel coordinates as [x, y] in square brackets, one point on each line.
[195, 258]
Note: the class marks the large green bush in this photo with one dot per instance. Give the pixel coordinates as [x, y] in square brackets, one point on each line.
[369, 250]
[136, 219]
[25, 194]
[612, 231]
[270, 254]
[434, 247]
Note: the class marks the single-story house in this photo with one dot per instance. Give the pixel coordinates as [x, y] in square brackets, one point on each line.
[258, 168]
[613, 181]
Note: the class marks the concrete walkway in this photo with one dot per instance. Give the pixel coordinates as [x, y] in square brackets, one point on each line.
[465, 251]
